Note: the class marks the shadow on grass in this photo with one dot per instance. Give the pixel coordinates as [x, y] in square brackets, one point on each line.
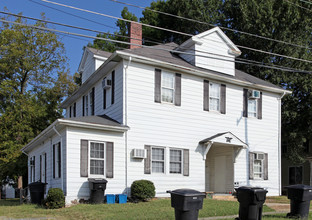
[9, 202]
[276, 216]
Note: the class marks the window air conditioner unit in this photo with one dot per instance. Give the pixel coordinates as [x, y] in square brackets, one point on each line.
[106, 83]
[254, 94]
[139, 153]
[259, 156]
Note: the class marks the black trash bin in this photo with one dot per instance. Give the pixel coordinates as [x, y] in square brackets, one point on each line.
[97, 190]
[251, 201]
[36, 190]
[186, 203]
[300, 196]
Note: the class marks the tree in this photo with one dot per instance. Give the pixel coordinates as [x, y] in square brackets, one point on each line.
[121, 35]
[33, 82]
[283, 21]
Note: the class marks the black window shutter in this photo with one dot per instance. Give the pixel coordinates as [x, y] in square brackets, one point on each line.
[251, 163]
[223, 99]
[245, 103]
[34, 168]
[265, 167]
[59, 159]
[70, 111]
[109, 159]
[84, 158]
[83, 106]
[157, 85]
[40, 166]
[177, 98]
[45, 167]
[93, 101]
[206, 95]
[147, 160]
[186, 162]
[104, 98]
[113, 87]
[74, 110]
[259, 112]
[53, 160]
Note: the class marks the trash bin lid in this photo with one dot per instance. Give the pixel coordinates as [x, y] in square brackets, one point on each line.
[186, 192]
[97, 180]
[36, 184]
[299, 186]
[249, 188]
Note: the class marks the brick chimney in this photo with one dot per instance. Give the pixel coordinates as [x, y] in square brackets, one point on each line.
[135, 34]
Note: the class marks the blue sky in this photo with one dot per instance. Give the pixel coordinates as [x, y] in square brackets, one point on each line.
[74, 45]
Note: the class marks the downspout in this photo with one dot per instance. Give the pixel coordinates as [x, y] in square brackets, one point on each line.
[62, 184]
[280, 141]
[126, 123]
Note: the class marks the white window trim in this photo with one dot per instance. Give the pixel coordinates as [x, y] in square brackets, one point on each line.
[57, 162]
[212, 97]
[32, 169]
[164, 161]
[89, 159]
[182, 156]
[262, 167]
[173, 88]
[256, 115]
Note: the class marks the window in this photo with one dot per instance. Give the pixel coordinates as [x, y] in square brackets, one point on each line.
[214, 96]
[32, 169]
[86, 104]
[97, 158]
[252, 108]
[70, 111]
[295, 175]
[175, 161]
[57, 160]
[74, 110]
[43, 168]
[258, 165]
[167, 87]
[92, 101]
[158, 160]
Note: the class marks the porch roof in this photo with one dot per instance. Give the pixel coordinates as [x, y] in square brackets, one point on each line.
[225, 138]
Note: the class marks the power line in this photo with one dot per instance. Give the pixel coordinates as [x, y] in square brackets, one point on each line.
[213, 25]
[299, 6]
[306, 2]
[144, 46]
[173, 31]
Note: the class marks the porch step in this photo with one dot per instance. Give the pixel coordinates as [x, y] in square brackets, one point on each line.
[226, 197]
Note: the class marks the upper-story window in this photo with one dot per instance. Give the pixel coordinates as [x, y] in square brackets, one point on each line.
[92, 101]
[167, 87]
[86, 105]
[252, 105]
[214, 96]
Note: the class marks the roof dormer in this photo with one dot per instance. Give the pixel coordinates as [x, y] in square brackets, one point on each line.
[211, 50]
[91, 60]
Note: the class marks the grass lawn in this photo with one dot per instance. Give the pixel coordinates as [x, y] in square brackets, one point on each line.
[155, 209]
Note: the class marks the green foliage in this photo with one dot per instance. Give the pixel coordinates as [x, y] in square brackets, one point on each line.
[33, 82]
[142, 190]
[121, 35]
[55, 199]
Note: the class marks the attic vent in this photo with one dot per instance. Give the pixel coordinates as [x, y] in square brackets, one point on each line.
[139, 153]
[254, 94]
[106, 83]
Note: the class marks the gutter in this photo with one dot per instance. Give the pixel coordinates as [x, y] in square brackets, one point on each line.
[126, 123]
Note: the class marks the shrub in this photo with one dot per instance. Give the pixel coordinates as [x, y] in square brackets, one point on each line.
[55, 199]
[142, 190]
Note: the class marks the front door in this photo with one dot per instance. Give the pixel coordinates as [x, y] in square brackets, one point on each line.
[220, 174]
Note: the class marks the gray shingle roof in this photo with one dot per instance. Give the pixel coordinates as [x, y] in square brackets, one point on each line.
[162, 53]
[97, 119]
[100, 52]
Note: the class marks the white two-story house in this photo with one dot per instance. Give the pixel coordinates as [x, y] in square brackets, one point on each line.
[181, 116]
